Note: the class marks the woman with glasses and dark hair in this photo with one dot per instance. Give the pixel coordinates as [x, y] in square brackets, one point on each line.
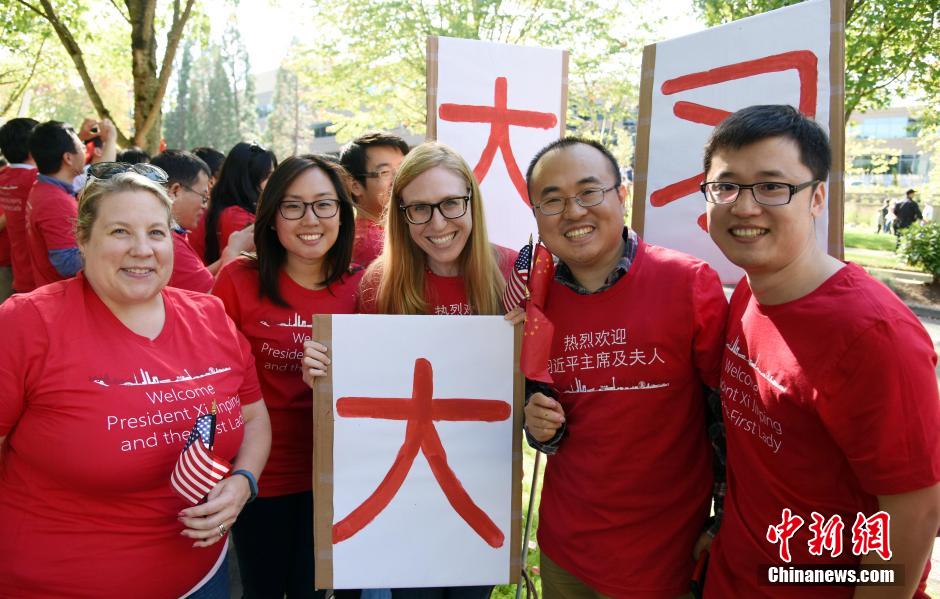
[233, 198]
[303, 237]
[437, 259]
[103, 378]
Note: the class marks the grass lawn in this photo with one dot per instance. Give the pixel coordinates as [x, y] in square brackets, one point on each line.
[855, 238]
[873, 250]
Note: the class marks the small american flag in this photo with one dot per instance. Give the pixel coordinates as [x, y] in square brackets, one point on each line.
[515, 290]
[198, 470]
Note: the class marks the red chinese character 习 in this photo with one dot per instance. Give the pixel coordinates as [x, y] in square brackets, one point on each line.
[803, 61]
[826, 535]
[420, 411]
[872, 534]
[500, 118]
[783, 532]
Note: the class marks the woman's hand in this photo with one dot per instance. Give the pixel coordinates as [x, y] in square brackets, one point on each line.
[516, 315]
[314, 362]
[210, 522]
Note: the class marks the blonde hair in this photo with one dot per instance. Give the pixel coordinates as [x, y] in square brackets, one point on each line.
[96, 189]
[400, 268]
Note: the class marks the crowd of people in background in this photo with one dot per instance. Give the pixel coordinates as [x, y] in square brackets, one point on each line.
[143, 288]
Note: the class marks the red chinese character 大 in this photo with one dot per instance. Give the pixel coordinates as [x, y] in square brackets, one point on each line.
[872, 534]
[420, 411]
[803, 61]
[500, 117]
[783, 532]
[826, 535]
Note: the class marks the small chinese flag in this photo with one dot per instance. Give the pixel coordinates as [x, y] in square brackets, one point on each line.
[198, 470]
[539, 330]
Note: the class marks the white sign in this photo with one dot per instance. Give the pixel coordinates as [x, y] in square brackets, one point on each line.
[779, 57]
[422, 452]
[497, 105]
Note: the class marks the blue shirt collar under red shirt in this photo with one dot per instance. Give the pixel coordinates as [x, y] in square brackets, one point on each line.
[53, 181]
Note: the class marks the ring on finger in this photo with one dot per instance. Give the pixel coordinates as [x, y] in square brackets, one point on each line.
[221, 530]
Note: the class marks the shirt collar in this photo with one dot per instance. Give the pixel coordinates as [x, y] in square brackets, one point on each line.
[60, 184]
[564, 275]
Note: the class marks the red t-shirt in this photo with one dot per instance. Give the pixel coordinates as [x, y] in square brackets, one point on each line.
[15, 183]
[51, 213]
[370, 237]
[188, 270]
[628, 493]
[276, 334]
[4, 244]
[829, 401]
[197, 238]
[445, 295]
[233, 218]
[95, 418]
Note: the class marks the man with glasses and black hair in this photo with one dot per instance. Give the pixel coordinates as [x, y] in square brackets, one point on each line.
[372, 161]
[828, 386]
[51, 208]
[638, 332]
[188, 187]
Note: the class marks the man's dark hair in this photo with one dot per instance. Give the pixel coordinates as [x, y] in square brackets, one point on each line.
[133, 155]
[48, 142]
[181, 166]
[353, 154]
[910, 192]
[756, 123]
[212, 157]
[567, 142]
[14, 139]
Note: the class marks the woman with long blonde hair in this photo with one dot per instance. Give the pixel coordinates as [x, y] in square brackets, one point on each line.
[437, 259]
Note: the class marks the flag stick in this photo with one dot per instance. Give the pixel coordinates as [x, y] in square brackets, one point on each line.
[528, 525]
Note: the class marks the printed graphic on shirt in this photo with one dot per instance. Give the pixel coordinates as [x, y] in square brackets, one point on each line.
[453, 309]
[176, 400]
[596, 350]
[740, 393]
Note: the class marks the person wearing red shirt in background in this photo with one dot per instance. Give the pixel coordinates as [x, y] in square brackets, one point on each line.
[188, 187]
[372, 161]
[233, 198]
[51, 207]
[437, 260]
[638, 332]
[304, 237]
[15, 183]
[828, 383]
[101, 379]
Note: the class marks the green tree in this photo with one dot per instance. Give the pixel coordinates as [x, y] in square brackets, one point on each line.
[891, 48]
[368, 67]
[69, 21]
[175, 127]
[287, 130]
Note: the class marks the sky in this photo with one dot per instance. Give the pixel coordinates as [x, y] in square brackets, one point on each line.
[267, 28]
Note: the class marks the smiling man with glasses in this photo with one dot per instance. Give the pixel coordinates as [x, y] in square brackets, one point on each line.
[186, 178]
[638, 333]
[372, 160]
[828, 384]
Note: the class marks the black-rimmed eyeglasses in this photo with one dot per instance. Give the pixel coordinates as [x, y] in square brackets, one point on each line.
[295, 210]
[450, 208]
[556, 204]
[106, 170]
[382, 173]
[766, 193]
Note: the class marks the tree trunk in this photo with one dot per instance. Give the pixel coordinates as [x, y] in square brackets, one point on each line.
[144, 71]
